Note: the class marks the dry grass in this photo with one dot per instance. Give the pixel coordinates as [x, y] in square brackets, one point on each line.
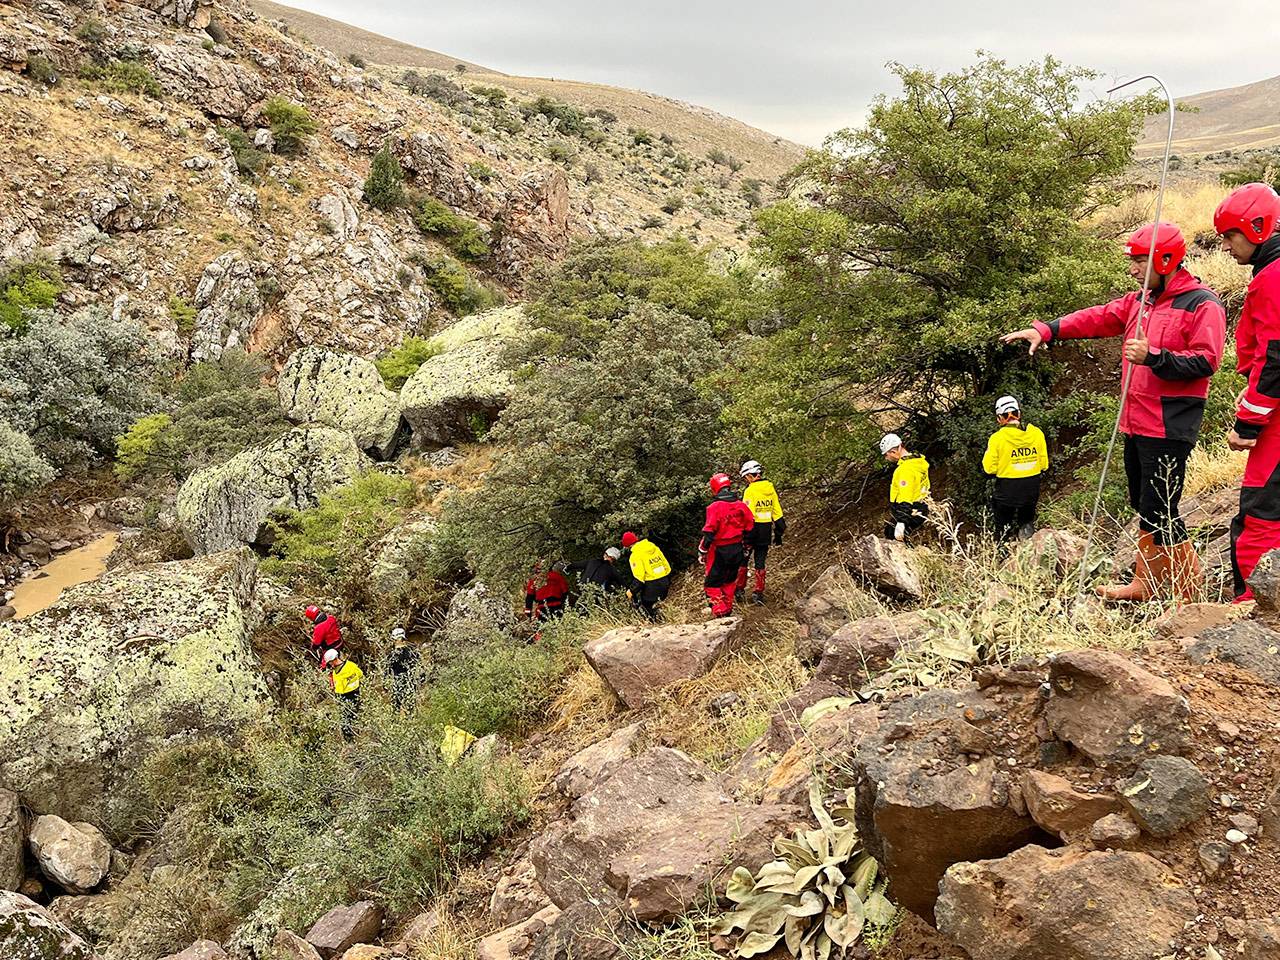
[1211, 469]
[451, 939]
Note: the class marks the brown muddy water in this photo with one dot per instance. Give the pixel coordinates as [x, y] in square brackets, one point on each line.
[65, 570]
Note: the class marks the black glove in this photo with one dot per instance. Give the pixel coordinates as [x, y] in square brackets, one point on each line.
[779, 528]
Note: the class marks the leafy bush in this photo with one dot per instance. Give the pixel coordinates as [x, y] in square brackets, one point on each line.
[566, 119]
[42, 70]
[591, 173]
[560, 152]
[481, 171]
[605, 116]
[22, 469]
[436, 87]
[73, 383]
[673, 203]
[1258, 169]
[357, 61]
[456, 287]
[463, 236]
[751, 191]
[26, 286]
[652, 222]
[899, 279]
[723, 159]
[182, 314]
[291, 124]
[140, 447]
[639, 136]
[615, 437]
[91, 31]
[398, 365]
[124, 76]
[326, 548]
[250, 161]
[384, 187]
[495, 96]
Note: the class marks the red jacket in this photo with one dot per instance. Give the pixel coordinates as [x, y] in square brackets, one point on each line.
[1258, 342]
[550, 596]
[326, 635]
[1186, 328]
[727, 521]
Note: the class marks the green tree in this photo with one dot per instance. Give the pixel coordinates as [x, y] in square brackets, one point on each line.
[291, 124]
[953, 216]
[384, 188]
[594, 445]
[22, 469]
[401, 363]
[26, 286]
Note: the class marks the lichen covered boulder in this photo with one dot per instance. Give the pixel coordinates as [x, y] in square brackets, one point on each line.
[120, 667]
[342, 391]
[30, 932]
[228, 505]
[455, 395]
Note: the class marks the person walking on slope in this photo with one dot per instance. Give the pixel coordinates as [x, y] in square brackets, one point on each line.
[545, 601]
[908, 489]
[1248, 221]
[728, 521]
[402, 666]
[1167, 366]
[600, 572]
[344, 678]
[650, 573]
[762, 500]
[326, 635]
[1016, 456]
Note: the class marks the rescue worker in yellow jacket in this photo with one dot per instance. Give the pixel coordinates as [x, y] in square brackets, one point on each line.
[344, 677]
[766, 507]
[1017, 457]
[908, 490]
[650, 573]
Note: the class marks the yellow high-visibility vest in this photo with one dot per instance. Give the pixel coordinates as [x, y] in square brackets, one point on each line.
[910, 483]
[1015, 451]
[763, 501]
[648, 562]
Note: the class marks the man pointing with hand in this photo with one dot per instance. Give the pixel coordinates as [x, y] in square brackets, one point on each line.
[1167, 365]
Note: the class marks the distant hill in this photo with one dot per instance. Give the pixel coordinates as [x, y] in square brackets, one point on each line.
[697, 129]
[1236, 118]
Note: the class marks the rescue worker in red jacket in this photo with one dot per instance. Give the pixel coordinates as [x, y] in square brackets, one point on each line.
[728, 521]
[1248, 221]
[1179, 348]
[326, 635]
[546, 599]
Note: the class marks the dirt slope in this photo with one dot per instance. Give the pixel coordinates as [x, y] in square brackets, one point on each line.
[1237, 118]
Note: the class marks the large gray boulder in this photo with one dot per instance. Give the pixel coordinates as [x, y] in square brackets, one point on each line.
[228, 504]
[455, 395]
[342, 391]
[400, 555]
[75, 856]
[121, 666]
[30, 932]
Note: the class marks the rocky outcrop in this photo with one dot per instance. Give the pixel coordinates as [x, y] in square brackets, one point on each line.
[638, 663]
[13, 840]
[218, 87]
[75, 856]
[320, 387]
[400, 555]
[200, 950]
[30, 932]
[858, 651]
[651, 837]
[1038, 904]
[1112, 710]
[121, 666]
[516, 895]
[534, 223]
[228, 303]
[344, 926]
[885, 565]
[228, 504]
[476, 615]
[822, 611]
[582, 770]
[455, 395]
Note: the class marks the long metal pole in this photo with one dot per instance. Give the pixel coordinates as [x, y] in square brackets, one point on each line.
[1143, 313]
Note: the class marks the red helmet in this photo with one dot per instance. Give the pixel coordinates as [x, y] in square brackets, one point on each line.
[719, 482]
[1171, 248]
[1245, 205]
[629, 539]
[311, 613]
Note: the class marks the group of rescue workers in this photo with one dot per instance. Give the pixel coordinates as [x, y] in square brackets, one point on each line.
[1166, 366]
[1174, 329]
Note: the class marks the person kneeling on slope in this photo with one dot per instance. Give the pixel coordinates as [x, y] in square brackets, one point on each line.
[650, 574]
[1016, 456]
[762, 500]
[908, 489]
[326, 635]
[728, 521]
[1248, 221]
[1167, 366]
[545, 601]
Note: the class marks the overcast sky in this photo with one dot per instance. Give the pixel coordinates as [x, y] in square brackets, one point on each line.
[803, 68]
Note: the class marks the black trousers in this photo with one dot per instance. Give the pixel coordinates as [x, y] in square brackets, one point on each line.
[757, 542]
[1014, 506]
[1157, 469]
[911, 515]
[726, 560]
[348, 710]
[649, 594]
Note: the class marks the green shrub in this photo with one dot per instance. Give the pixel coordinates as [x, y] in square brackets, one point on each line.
[639, 136]
[454, 284]
[182, 314]
[652, 222]
[751, 191]
[26, 286]
[124, 76]
[357, 61]
[723, 159]
[604, 115]
[481, 171]
[250, 161]
[291, 124]
[591, 173]
[463, 236]
[560, 152]
[91, 31]
[436, 87]
[459, 68]
[673, 203]
[208, 44]
[1259, 169]
[138, 449]
[565, 118]
[384, 187]
[22, 469]
[495, 96]
[668, 139]
[42, 70]
[398, 365]
[507, 122]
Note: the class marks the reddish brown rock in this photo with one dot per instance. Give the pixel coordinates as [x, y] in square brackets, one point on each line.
[1060, 808]
[287, 945]
[1112, 710]
[516, 942]
[1067, 904]
[1262, 940]
[885, 565]
[860, 650]
[652, 837]
[819, 751]
[344, 927]
[534, 222]
[577, 774]
[638, 663]
[822, 611]
[516, 895]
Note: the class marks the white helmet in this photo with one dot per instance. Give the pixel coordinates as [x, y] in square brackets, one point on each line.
[1007, 405]
[890, 441]
[751, 467]
[613, 553]
[397, 633]
[330, 656]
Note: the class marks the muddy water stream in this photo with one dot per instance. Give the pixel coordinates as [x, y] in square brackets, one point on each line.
[65, 570]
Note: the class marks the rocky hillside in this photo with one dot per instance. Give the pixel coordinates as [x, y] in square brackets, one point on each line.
[1236, 118]
[145, 163]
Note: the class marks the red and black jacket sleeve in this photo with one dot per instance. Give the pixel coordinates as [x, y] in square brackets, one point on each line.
[1205, 330]
[1104, 320]
[1262, 395]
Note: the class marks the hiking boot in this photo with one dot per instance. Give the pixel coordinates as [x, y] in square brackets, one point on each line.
[1186, 574]
[757, 599]
[1150, 567]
